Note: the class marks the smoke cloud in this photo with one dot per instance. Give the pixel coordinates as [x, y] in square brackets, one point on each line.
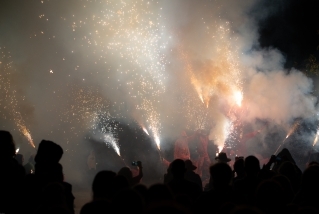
[167, 66]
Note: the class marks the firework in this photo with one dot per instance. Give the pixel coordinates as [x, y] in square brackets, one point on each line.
[132, 33]
[9, 100]
[27, 134]
[109, 139]
[145, 130]
[292, 129]
[316, 138]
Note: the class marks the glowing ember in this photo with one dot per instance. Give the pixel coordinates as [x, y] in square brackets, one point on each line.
[238, 96]
[157, 141]
[145, 130]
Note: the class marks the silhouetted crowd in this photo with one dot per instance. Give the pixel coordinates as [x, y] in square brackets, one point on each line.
[277, 187]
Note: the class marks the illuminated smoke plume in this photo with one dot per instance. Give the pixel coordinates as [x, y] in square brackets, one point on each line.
[170, 65]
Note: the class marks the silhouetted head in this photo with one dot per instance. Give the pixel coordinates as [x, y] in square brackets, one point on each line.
[252, 165]
[103, 184]
[285, 155]
[7, 146]
[126, 172]
[310, 178]
[178, 168]
[286, 185]
[222, 157]
[239, 166]
[220, 174]
[287, 169]
[48, 153]
[120, 183]
[189, 165]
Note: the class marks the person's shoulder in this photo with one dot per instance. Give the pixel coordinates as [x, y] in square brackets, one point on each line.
[67, 185]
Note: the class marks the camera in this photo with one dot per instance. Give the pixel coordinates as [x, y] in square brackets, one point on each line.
[134, 163]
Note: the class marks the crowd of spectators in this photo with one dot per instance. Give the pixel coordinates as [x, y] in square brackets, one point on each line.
[246, 187]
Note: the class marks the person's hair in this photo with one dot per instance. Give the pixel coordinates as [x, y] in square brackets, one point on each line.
[126, 172]
[102, 183]
[252, 165]
[7, 146]
[48, 152]
[239, 165]
[221, 174]
[178, 168]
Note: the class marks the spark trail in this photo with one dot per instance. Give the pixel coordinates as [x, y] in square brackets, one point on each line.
[9, 99]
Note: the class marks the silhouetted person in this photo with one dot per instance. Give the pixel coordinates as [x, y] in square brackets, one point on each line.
[222, 158]
[103, 192]
[127, 173]
[159, 193]
[53, 200]
[47, 170]
[12, 175]
[292, 172]
[245, 188]
[269, 197]
[179, 185]
[307, 196]
[239, 169]
[168, 176]
[142, 190]
[128, 201]
[221, 190]
[103, 185]
[167, 207]
[191, 175]
[287, 188]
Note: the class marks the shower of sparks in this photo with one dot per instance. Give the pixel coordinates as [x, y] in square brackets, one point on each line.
[89, 109]
[27, 134]
[145, 130]
[130, 34]
[221, 76]
[218, 78]
[152, 120]
[9, 101]
[104, 123]
[109, 139]
[316, 138]
[292, 129]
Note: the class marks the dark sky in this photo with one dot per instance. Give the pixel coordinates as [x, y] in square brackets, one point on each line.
[293, 28]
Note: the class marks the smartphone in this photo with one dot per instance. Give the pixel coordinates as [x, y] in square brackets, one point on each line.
[134, 163]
